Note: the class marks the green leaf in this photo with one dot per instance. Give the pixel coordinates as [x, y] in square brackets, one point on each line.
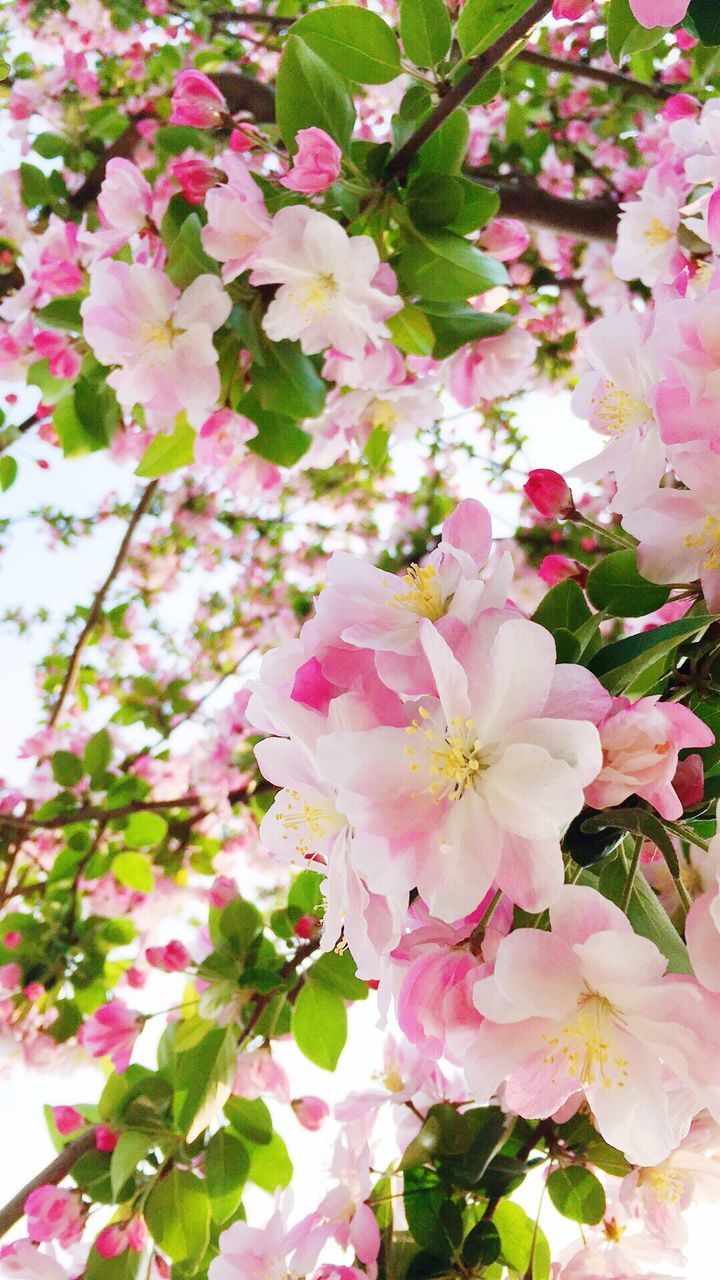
[445, 151]
[336, 972]
[434, 200]
[482, 1246]
[305, 893]
[524, 1246]
[227, 1165]
[425, 30]
[455, 325]
[134, 870]
[646, 915]
[63, 313]
[177, 1212]
[577, 1194]
[240, 923]
[67, 770]
[309, 92]
[203, 1078]
[97, 410]
[287, 382]
[98, 753]
[426, 1201]
[319, 1025]
[607, 1158]
[617, 665]
[480, 204]
[482, 22]
[251, 1119]
[445, 268]
[279, 439]
[132, 1147]
[8, 472]
[376, 450]
[186, 257]
[411, 331]
[128, 1265]
[270, 1165]
[35, 190]
[564, 607]
[706, 16]
[145, 830]
[616, 585]
[625, 35]
[639, 822]
[166, 453]
[355, 42]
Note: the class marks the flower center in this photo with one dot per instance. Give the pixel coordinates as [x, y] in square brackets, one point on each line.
[158, 335]
[456, 762]
[708, 539]
[315, 819]
[384, 414]
[584, 1046]
[614, 410]
[315, 295]
[656, 233]
[667, 1185]
[423, 595]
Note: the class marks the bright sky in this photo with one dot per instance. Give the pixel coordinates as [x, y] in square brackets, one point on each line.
[31, 575]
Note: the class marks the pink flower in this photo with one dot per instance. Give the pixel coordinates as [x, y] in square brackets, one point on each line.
[571, 10]
[158, 339]
[479, 786]
[125, 198]
[221, 442]
[112, 1031]
[588, 1007]
[310, 1111]
[316, 163]
[328, 295]
[195, 177]
[258, 1075]
[554, 569]
[640, 744]
[10, 977]
[238, 223]
[549, 493]
[505, 238]
[54, 1214]
[196, 101]
[678, 530]
[112, 1241]
[63, 362]
[22, 1261]
[67, 1120]
[172, 958]
[222, 891]
[647, 243]
[436, 998]
[659, 13]
[492, 368]
[106, 1139]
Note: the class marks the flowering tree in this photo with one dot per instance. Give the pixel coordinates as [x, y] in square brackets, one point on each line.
[318, 739]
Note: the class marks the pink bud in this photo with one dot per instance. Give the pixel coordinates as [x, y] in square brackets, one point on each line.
[505, 238]
[570, 9]
[197, 102]
[689, 781]
[316, 164]
[306, 927]
[172, 958]
[67, 1120]
[222, 891]
[310, 1111]
[556, 569]
[195, 177]
[106, 1139]
[684, 40]
[112, 1241]
[10, 977]
[34, 991]
[137, 1233]
[135, 978]
[549, 493]
[12, 939]
[682, 106]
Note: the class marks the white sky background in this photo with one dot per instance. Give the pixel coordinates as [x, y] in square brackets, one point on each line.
[31, 575]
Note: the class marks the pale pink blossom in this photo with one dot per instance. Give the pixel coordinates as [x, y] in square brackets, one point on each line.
[328, 295]
[702, 927]
[125, 199]
[260, 1253]
[640, 745]
[493, 368]
[659, 13]
[505, 238]
[479, 786]
[22, 1261]
[158, 339]
[686, 400]
[259, 1075]
[54, 1214]
[238, 223]
[112, 1031]
[647, 244]
[197, 101]
[589, 1007]
[316, 163]
[310, 1111]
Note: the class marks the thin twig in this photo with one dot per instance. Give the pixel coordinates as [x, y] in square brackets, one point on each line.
[478, 68]
[97, 604]
[585, 71]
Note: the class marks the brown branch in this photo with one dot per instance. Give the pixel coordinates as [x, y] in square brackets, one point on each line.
[584, 71]
[53, 1173]
[92, 813]
[586, 219]
[241, 15]
[479, 67]
[97, 604]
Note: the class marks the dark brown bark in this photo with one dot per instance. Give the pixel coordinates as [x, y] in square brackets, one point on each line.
[53, 1173]
[585, 71]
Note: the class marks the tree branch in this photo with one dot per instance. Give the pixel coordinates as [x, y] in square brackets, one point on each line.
[53, 1173]
[586, 219]
[478, 68]
[97, 604]
[584, 71]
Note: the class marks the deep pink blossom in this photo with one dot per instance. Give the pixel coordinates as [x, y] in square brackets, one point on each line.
[197, 101]
[54, 1214]
[316, 163]
[112, 1031]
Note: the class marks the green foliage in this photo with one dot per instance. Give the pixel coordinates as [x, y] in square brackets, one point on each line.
[616, 585]
[66, 768]
[577, 1194]
[227, 1166]
[250, 1118]
[270, 1166]
[445, 268]
[454, 324]
[309, 92]
[166, 453]
[706, 17]
[134, 870]
[319, 1025]
[145, 830]
[425, 30]
[286, 381]
[619, 664]
[355, 42]
[177, 1212]
[186, 257]
[8, 472]
[202, 1079]
[625, 35]
[482, 22]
